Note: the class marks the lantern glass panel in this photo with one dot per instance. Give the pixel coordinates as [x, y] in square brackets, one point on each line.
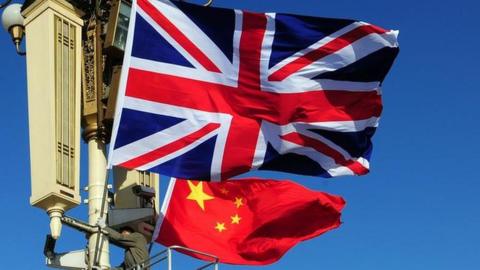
[122, 26]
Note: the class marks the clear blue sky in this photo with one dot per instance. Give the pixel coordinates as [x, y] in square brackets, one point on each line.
[419, 206]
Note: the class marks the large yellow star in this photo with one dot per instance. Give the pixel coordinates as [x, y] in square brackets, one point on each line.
[238, 202]
[220, 227]
[197, 194]
[236, 219]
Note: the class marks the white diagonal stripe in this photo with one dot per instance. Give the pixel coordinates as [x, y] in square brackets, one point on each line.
[195, 34]
[154, 141]
[341, 58]
[315, 46]
[349, 54]
[179, 152]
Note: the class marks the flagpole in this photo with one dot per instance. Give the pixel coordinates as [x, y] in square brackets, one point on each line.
[95, 135]
[98, 244]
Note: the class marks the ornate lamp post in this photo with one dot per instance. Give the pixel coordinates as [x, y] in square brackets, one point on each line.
[72, 73]
[54, 77]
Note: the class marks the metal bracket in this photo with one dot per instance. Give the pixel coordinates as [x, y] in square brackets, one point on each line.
[80, 225]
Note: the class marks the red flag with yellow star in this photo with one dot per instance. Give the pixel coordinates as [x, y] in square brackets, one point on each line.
[248, 221]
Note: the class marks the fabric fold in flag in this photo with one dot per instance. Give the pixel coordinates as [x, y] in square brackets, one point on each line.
[246, 221]
[210, 93]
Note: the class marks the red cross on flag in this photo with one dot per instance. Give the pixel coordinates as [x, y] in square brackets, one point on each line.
[210, 93]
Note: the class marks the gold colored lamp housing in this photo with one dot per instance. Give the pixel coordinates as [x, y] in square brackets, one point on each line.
[53, 45]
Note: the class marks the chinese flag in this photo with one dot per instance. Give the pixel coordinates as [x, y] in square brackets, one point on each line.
[247, 221]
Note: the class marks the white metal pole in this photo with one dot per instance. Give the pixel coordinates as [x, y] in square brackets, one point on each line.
[169, 259]
[97, 243]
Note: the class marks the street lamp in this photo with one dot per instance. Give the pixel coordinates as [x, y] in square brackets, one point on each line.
[53, 46]
[70, 45]
[12, 21]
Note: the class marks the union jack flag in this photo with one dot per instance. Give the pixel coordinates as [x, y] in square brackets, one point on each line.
[210, 93]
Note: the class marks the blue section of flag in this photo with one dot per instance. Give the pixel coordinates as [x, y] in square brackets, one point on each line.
[149, 44]
[136, 125]
[195, 164]
[291, 163]
[372, 68]
[217, 23]
[368, 153]
[355, 143]
[293, 32]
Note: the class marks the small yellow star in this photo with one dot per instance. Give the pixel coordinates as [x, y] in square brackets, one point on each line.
[220, 227]
[238, 202]
[197, 194]
[224, 191]
[236, 219]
